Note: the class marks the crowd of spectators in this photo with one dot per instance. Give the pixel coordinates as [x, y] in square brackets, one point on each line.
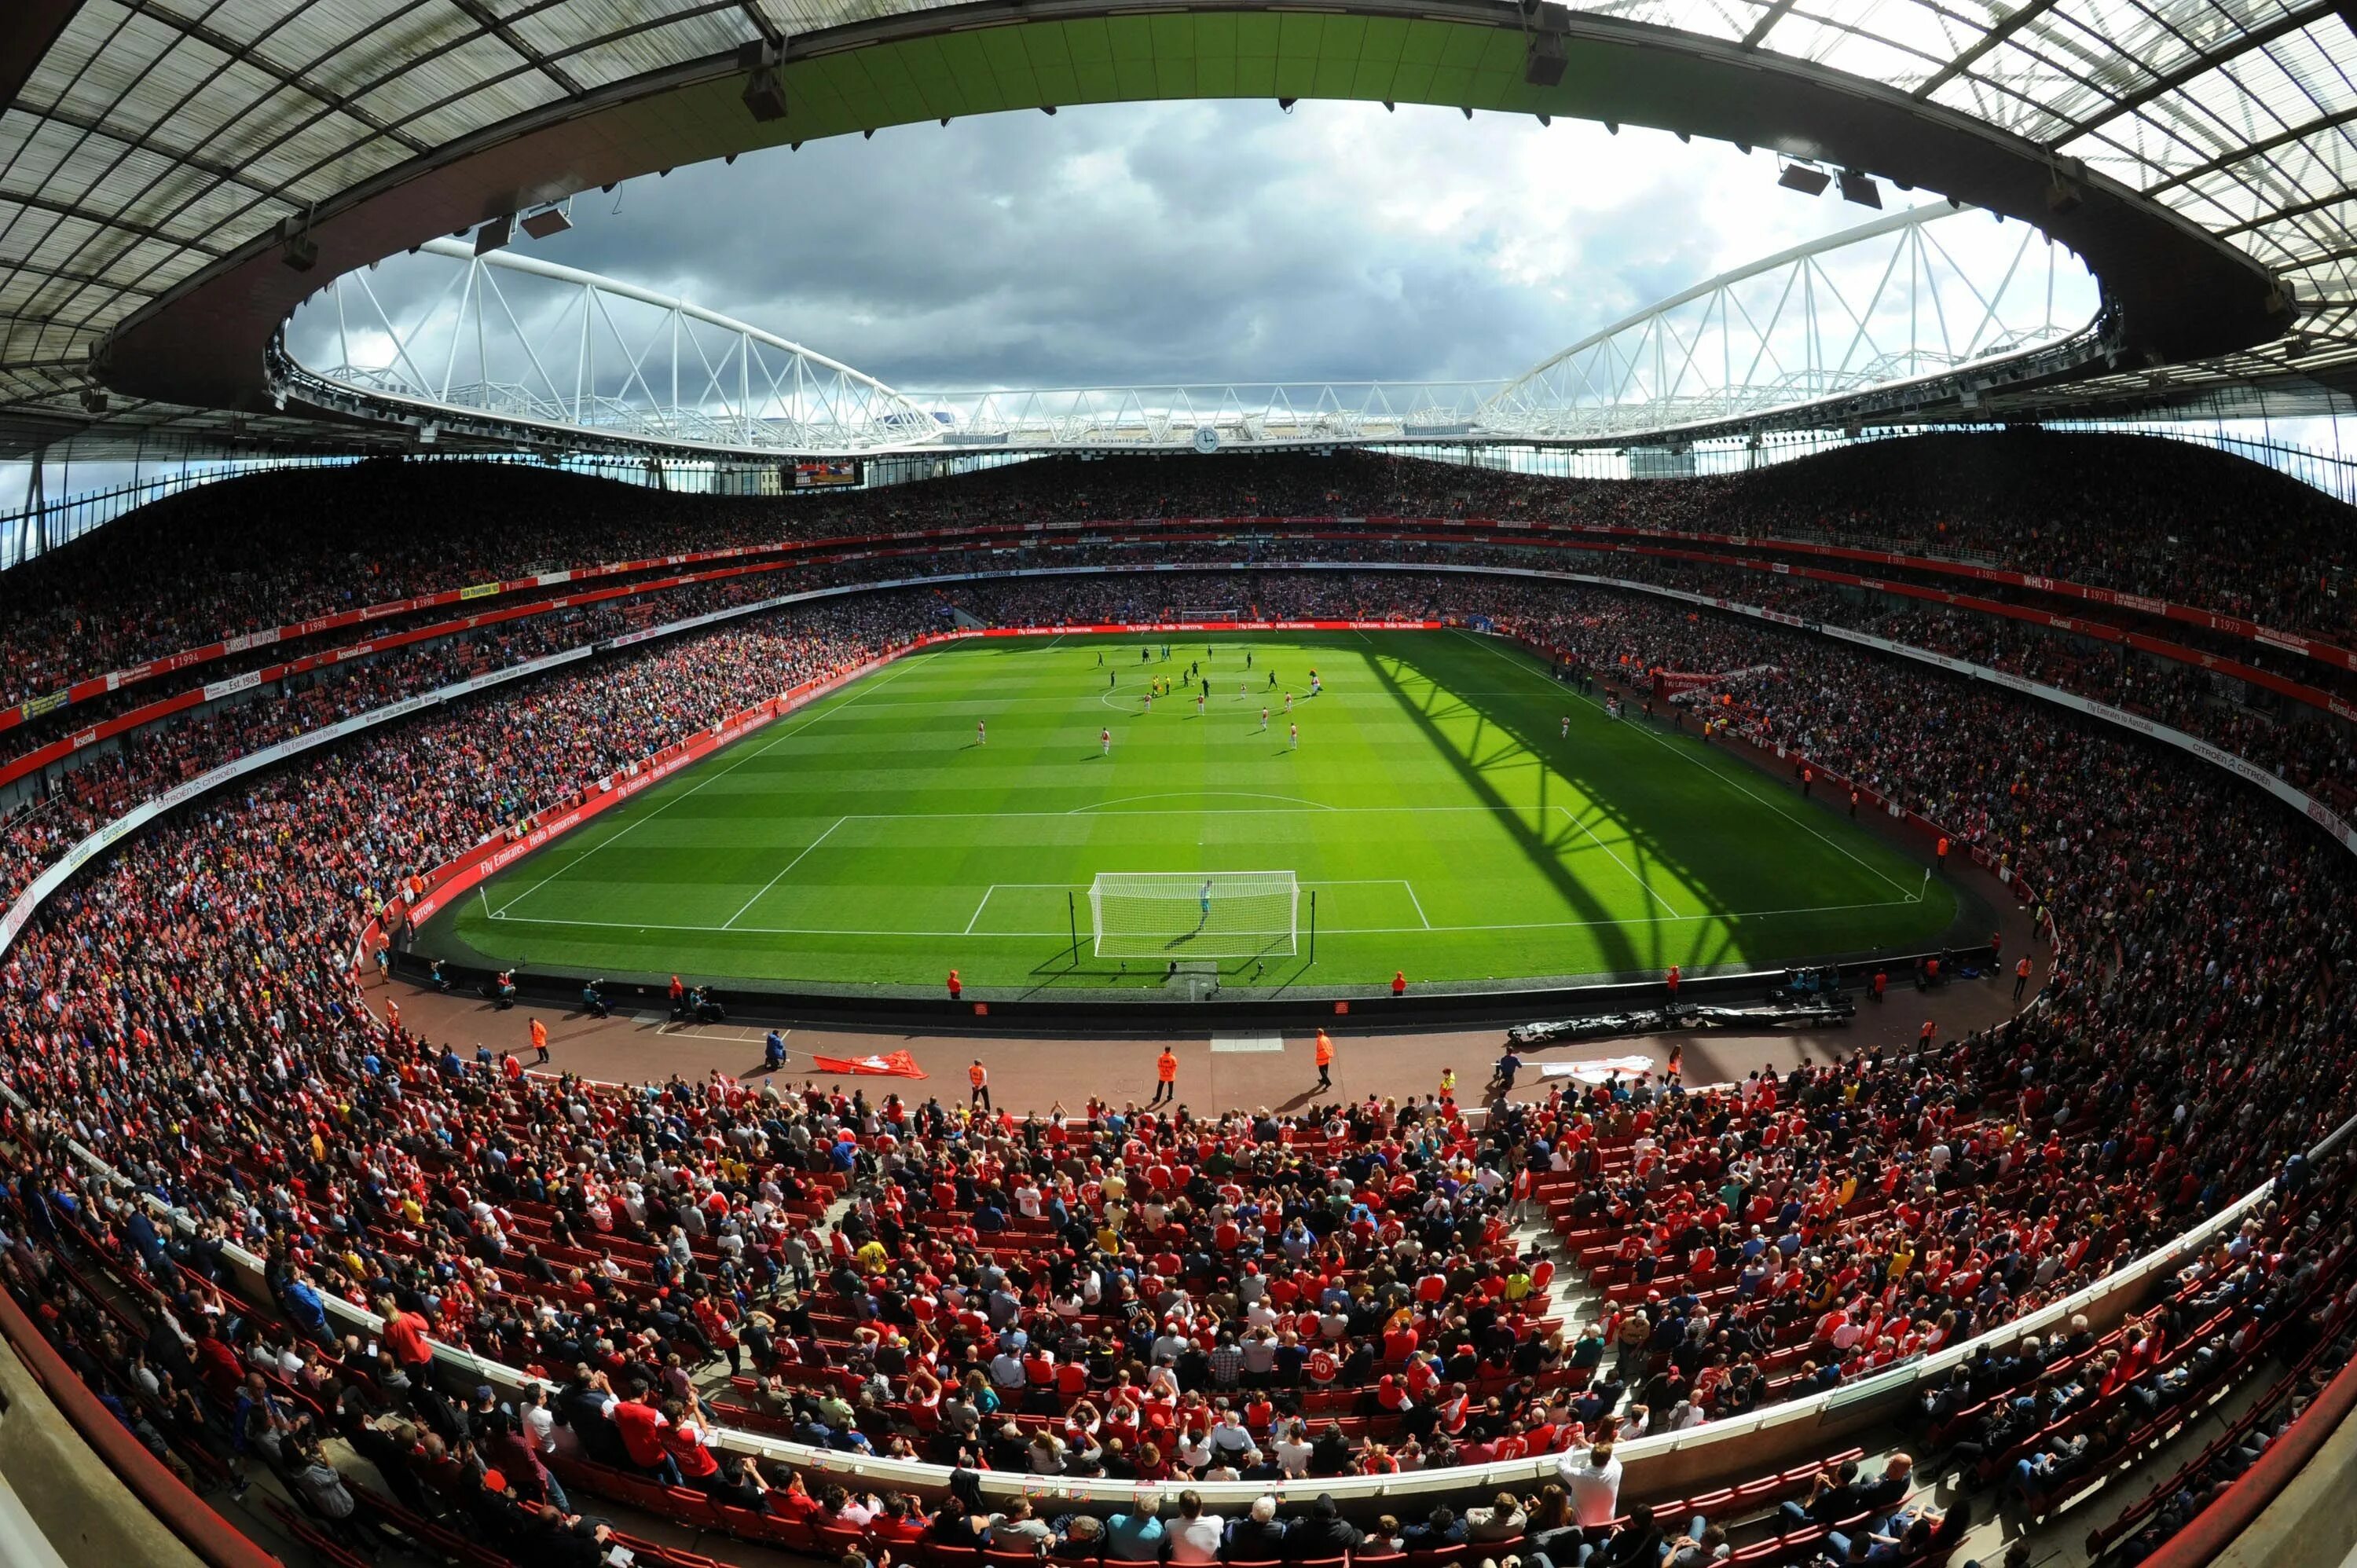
[2313, 750]
[148, 760]
[2138, 514]
[1157, 1295]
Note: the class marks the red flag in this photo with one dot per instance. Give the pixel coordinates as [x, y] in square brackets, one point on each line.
[898, 1064]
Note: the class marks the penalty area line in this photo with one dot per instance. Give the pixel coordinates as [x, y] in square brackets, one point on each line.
[1627, 870]
[1718, 773]
[773, 881]
[825, 705]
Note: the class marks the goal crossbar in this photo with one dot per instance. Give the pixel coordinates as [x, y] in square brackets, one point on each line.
[1194, 914]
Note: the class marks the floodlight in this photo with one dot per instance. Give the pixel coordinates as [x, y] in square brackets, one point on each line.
[93, 401]
[1542, 66]
[1807, 179]
[548, 220]
[1861, 189]
[765, 95]
[297, 248]
[494, 236]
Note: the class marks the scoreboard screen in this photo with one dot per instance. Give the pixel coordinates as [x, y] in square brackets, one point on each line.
[827, 475]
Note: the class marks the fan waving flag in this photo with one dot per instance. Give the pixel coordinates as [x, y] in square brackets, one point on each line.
[898, 1064]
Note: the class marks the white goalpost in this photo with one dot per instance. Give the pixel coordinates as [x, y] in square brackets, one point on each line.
[1194, 914]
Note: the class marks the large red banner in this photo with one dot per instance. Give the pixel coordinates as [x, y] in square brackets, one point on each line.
[894, 1064]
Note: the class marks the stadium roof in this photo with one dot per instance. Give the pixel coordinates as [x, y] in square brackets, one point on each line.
[154, 153]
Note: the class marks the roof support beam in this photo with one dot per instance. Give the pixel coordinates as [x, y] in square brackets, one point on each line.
[506, 35]
[90, 280]
[760, 20]
[2202, 65]
[647, 24]
[105, 220]
[2299, 210]
[1989, 40]
[2250, 150]
[95, 125]
[1767, 23]
[299, 82]
[2325, 259]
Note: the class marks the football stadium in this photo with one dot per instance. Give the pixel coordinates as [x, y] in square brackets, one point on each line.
[1691, 903]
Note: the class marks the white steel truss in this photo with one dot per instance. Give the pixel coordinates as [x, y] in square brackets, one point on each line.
[1878, 307]
[509, 346]
[1209, 416]
[550, 348]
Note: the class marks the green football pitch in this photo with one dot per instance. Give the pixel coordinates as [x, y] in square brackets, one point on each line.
[1435, 807]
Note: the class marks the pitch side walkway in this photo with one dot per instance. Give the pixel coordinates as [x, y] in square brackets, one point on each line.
[1035, 1072]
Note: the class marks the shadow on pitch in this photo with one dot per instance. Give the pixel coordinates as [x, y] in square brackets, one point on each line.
[1514, 732]
[1545, 844]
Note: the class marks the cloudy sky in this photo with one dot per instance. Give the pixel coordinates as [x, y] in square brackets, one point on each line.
[1165, 243]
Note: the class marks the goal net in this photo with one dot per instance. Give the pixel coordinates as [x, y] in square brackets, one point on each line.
[1194, 914]
[1209, 612]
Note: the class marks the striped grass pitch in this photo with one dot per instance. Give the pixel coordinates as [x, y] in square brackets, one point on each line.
[1446, 823]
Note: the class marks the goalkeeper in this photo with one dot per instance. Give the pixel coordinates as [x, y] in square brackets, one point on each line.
[1204, 897]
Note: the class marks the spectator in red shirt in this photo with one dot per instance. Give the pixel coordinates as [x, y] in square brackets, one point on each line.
[404, 1334]
[683, 1444]
[641, 1426]
[404, 1339]
[217, 1364]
